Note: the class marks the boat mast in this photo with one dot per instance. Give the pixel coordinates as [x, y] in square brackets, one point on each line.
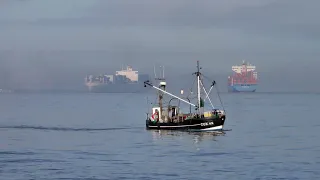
[162, 86]
[198, 92]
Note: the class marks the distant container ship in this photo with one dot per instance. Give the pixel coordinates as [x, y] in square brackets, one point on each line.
[124, 81]
[243, 79]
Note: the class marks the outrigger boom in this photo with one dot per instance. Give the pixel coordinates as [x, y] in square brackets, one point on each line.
[147, 83]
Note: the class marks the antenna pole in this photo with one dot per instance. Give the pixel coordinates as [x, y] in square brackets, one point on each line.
[162, 71]
[154, 70]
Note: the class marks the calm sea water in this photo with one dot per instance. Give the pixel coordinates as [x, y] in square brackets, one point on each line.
[103, 136]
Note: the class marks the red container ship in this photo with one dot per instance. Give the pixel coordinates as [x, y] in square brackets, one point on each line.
[243, 79]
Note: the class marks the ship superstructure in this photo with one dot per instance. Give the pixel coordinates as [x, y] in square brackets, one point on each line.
[126, 80]
[243, 79]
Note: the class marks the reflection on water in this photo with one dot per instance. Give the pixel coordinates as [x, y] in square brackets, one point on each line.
[196, 136]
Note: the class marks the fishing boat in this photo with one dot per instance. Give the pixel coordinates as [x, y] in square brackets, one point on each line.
[171, 117]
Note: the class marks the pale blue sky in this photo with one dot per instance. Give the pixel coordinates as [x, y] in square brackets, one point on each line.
[180, 25]
[269, 33]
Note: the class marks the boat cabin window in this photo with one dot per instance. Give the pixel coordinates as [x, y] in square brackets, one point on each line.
[173, 112]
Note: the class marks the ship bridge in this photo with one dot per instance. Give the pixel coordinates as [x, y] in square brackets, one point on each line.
[245, 67]
[129, 73]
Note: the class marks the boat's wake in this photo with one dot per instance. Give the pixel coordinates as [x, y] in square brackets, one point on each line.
[62, 128]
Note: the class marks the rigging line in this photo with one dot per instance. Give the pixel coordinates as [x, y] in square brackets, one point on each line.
[202, 84]
[217, 89]
[207, 94]
[147, 112]
[213, 83]
[193, 98]
[147, 83]
[194, 80]
[220, 99]
[155, 100]
[206, 77]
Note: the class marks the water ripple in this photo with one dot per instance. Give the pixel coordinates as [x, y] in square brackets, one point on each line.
[86, 137]
[30, 160]
[16, 153]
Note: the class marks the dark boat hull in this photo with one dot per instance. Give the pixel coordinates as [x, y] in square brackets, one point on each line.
[196, 124]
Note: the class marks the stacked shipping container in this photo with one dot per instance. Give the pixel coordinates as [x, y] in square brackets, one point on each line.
[244, 78]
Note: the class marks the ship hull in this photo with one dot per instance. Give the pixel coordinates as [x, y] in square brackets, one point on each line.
[118, 88]
[242, 88]
[200, 124]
